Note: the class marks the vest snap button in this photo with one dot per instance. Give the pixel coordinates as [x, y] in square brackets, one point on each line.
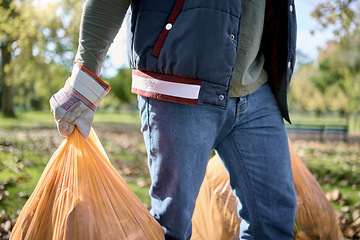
[291, 8]
[168, 26]
[221, 97]
[232, 36]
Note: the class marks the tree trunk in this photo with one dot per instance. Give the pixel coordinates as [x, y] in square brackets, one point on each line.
[7, 107]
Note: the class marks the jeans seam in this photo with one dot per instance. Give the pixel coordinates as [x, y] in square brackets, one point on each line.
[242, 110]
[148, 123]
[249, 186]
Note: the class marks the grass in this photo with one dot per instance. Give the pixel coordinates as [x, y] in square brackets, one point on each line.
[41, 119]
[27, 120]
[21, 166]
[336, 168]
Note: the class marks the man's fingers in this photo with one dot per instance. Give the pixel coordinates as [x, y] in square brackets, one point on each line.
[65, 128]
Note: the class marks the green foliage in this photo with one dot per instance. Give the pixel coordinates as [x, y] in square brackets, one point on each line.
[42, 39]
[336, 13]
[327, 74]
[332, 83]
[121, 88]
[338, 74]
[303, 95]
[335, 167]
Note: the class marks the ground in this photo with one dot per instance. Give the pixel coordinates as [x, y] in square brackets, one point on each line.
[24, 152]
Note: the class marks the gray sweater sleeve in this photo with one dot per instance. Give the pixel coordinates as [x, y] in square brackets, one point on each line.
[101, 21]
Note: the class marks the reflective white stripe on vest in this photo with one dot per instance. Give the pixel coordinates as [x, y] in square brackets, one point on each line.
[152, 85]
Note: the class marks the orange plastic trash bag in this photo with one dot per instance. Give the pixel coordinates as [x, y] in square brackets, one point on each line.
[80, 195]
[215, 215]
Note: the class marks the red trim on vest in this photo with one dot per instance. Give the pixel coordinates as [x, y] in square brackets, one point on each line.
[164, 97]
[270, 40]
[163, 35]
[167, 77]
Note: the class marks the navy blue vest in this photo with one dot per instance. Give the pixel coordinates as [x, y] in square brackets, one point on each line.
[199, 39]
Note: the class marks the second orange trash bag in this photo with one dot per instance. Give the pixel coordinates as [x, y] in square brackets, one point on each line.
[80, 195]
[215, 215]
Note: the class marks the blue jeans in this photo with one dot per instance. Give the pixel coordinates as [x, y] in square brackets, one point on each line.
[251, 140]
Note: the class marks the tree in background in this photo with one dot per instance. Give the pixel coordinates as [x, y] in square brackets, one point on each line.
[303, 95]
[332, 82]
[37, 41]
[336, 13]
[7, 13]
[338, 74]
[120, 90]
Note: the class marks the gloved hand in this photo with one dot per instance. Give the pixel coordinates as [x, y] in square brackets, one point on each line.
[75, 104]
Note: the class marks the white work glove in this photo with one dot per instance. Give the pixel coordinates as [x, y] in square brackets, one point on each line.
[75, 104]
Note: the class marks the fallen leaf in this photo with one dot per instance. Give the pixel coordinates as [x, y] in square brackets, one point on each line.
[141, 182]
[345, 209]
[24, 194]
[333, 195]
[349, 232]
[356, 223]
[344, 182]
[355, 215]
[20, 166]
[6, 226]
[20, 179]
[3, 193]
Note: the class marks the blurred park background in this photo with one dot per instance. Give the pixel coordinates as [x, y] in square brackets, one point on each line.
[38, 41]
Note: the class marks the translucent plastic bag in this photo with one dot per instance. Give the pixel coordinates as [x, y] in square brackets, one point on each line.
[215, 216]
[80, 195]
[315, 217]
